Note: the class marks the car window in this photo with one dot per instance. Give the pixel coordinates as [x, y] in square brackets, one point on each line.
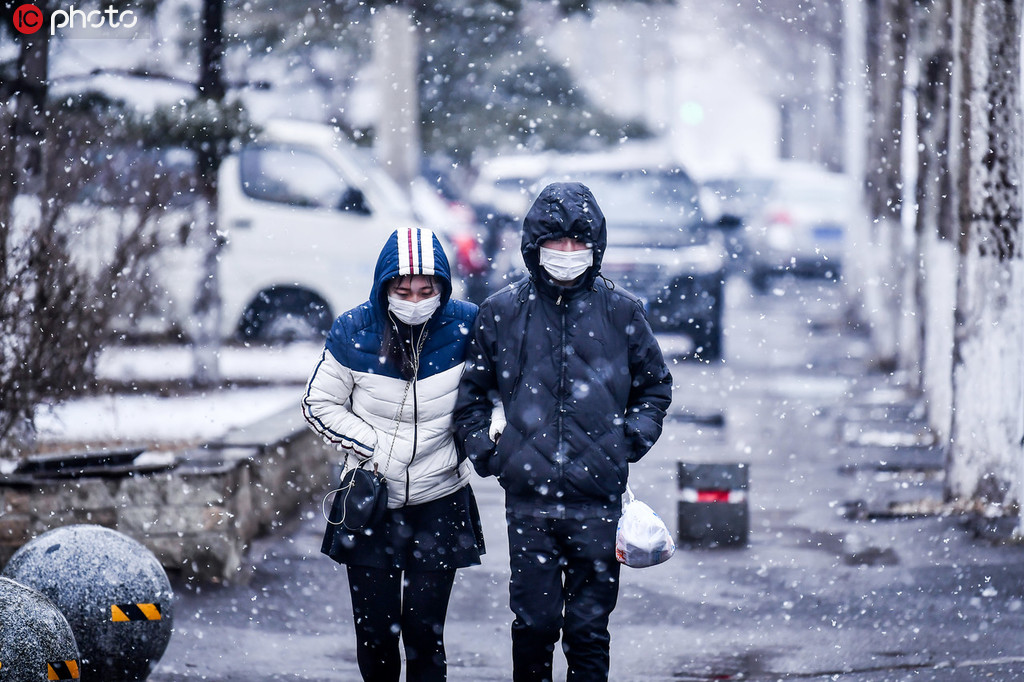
[523, 189]
[513, 184]
[740, 196]
[380, 188]
[811, 191]
[291, 176]
[650, 198]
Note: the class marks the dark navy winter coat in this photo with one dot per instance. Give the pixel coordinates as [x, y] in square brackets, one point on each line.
[577, 370]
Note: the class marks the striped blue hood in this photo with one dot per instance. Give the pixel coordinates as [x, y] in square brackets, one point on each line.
[410, 251]
[356, 337]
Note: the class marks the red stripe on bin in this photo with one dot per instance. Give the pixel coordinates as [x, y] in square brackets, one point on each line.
[712, 495]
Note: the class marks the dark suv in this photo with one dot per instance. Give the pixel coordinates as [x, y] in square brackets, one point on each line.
[661, 249]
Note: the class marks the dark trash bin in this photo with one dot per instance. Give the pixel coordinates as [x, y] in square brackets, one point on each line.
[713, 509]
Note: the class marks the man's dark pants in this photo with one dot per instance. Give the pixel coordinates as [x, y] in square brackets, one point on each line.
[562, 565]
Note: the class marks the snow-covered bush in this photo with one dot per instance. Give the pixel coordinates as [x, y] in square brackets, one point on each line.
[73, 257]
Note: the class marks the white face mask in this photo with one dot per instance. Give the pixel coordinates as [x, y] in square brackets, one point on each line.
[413, 313]
[565, 266]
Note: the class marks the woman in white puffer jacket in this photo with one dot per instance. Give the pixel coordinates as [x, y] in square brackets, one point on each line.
[384, 390]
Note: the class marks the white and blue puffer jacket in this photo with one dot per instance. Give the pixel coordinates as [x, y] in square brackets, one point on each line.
[354, 396]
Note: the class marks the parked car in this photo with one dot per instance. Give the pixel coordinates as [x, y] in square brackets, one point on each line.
[303, 214]
[660, 247]
[735, 199]
[796, 218]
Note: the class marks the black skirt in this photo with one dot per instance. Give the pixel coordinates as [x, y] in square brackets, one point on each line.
[440, 535]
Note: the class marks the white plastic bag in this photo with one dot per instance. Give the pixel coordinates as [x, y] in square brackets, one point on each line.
[642, 539]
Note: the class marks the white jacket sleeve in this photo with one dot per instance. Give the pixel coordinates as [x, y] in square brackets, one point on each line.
[326, 407]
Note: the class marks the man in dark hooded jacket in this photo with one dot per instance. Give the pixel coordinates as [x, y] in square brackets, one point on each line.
[584, 389]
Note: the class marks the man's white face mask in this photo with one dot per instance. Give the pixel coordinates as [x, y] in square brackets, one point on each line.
[413, 313]
[565, 266]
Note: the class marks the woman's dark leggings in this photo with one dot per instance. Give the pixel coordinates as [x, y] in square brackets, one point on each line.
[385, 606]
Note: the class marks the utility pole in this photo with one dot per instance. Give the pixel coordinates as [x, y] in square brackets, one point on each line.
[396, 57]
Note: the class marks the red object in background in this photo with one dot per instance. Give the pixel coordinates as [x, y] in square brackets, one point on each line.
[469, 255]
[781, 217]
[712, 495]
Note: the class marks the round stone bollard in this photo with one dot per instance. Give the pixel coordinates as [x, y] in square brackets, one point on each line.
[113, 592]
[35, 639]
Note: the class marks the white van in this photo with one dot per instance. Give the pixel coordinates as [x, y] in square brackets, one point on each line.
[303, 217]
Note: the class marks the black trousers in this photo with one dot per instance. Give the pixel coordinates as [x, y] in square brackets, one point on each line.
[565, 580]
[386, 605]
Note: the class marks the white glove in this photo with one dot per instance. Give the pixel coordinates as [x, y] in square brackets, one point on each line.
[497, 423]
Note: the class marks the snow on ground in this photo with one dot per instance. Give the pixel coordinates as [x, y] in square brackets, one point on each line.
[291, 363]
[261, 382]
[148, 418]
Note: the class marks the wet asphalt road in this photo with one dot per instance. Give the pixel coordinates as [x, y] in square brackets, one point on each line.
[825, 590]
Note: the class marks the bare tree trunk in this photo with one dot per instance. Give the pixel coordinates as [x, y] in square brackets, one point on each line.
[23, 181]
[28, 129]
[935, 281]
[207, 307]
[887, 66]
[984, 467]
[22, 168]
[831, 108]
[855, 92]
[397, 63]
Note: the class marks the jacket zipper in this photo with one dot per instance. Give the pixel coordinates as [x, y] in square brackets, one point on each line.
[561, 394]
[415, 438]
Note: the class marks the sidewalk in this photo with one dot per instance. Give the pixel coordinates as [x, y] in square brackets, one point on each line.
[836, 582]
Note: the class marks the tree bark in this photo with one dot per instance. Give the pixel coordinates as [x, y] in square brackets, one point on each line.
[935, 281]
[28, 129]
[887, 66]
[984, 467]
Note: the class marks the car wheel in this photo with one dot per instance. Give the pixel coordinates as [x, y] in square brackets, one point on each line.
[291, 327]
[286, 317]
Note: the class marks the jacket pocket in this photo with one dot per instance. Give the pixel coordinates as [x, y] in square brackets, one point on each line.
[602, 469]
[510, 441]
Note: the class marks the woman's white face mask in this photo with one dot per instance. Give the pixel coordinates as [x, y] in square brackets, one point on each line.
[413, 313]
[565, 266]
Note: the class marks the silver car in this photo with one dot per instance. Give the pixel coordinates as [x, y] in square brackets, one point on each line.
[800, 226]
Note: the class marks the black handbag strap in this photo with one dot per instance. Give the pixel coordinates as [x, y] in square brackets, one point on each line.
[397, 422]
